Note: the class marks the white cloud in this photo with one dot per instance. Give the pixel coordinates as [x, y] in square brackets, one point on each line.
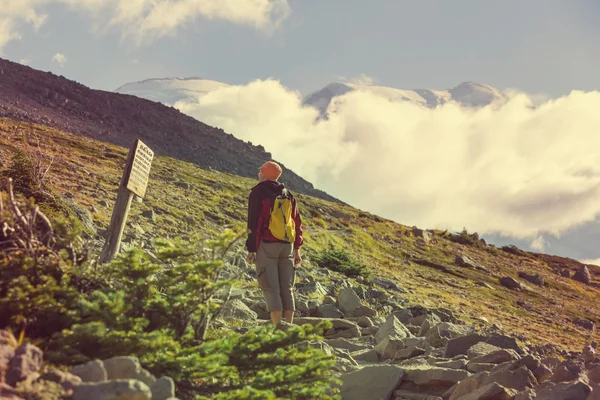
[595, 261]
[361, 79]
[60, 59]
[25, 61]
[511, 170]
[539, 244]
[144, 20]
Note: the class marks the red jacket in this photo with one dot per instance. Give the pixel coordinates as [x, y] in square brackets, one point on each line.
[259, 210]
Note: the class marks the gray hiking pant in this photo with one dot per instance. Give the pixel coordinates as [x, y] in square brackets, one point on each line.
[276, 274]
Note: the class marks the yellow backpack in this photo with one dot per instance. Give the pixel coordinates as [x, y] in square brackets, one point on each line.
[281, 223]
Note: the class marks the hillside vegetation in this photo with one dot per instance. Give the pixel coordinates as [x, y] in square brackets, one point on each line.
[184, 201]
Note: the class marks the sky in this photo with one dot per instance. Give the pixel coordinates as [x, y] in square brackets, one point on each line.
[538, 46]
[526, 175]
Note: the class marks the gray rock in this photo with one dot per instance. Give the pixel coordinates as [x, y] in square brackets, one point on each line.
[491, 391]
[454, 364]
[347, 344]
[7, 353]
[146, 377]
[236, 309]
[505, 342]
[426, 375]
[163, 388]
[386, 283]
[476, 368]
[496, 357]
[122, 367]
[528, 394]
[392, 327]
[535, 279]
[542, 373]
[370, 331]
[462, 344]
[563, 391]
[439, 335]
[373, 382]
[329, 300]
[467, 262]
[312, 288]
[468, 385]
[586, 324]
[364, 322]
[481, 349]
[583, 275]
[519, 379]
[389, 346]
[341, 328]
[92, 371]
[26, 361]
[329, 311]
[122, 389]
[366, 355]
[407, 353]
[415, 341]
[429, 321]
[509, 282]
[67, 380]
[150, 214]
[351, 305]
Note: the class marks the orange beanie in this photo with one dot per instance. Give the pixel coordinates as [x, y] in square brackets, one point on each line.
[271, 170]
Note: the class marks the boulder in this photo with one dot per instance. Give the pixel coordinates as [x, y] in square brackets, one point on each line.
[92, 371]
[509, 282]
[429, 321]
[439, 335]
[588, 353]
[67, 380]
[481, 349]
[535, 279]
[341, 328]
[329, 311]
[468, 385]
[585, 324]
[121, 389]
[389, 346]
[476, 368]
[407, 353]
[366, 355]
[462, 344]
[364, 322]
[491, 391]
[497, 357]
[392, 327]
[542, 373]
[563, 391]
[236, 309]
[427, 375]
[26, 361]
[505, 342]
[519, 379]
[312, 288]
[122, 367]
[347, 344]
[163, 388]
[373, 382]
[583, 275]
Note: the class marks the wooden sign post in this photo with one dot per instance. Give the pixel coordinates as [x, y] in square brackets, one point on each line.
[134, 182]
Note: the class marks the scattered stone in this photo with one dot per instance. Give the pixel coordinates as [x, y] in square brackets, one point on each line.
[454, 364]
[462, 344]
[392, 327]
[440, 334]
[481, 349]
[371, 382]
[92, 371]
[328, 299]
[351, 305]
[27, 360]
[562, 391]
[315, 288]
[150, 214]
[535, 279]
[479, 367]
[67, 380]
[329, 311]
[589, 352]
[347, 344]
[468, 385]
[183, 185]
[490, 391]
[496, 357]
[389, 346]
[427, 375]
[364, 322]
[366, 355]
[505, 342]
[122, 367]
[519, 379]
[583, 275]
[586, 324]
[163, 389]
[122, 389]
[341, 328]
[467, 262]
[542, 373]
[509, 282]
[236, 309]
[386, 283]
[407, 353]
[103, 203]
[430, 320]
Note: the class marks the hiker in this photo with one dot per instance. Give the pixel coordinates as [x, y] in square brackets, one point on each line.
[274, 241]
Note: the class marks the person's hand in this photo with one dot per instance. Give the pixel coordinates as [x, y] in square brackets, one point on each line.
[250, 258]
[297, 257]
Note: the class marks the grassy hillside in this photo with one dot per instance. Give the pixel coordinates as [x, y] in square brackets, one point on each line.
[183, 200]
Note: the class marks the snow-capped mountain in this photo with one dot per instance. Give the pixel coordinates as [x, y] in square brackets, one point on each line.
[467, 94]
[171, 90]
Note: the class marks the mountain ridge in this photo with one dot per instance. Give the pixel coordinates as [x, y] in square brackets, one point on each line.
[30, 95]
